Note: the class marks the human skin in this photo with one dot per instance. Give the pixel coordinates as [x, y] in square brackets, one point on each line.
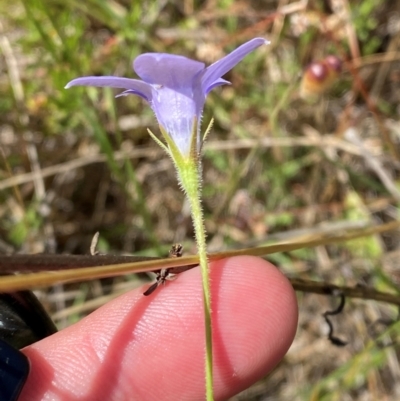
[152, 348]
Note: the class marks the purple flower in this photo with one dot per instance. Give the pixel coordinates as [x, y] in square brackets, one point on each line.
[175, 88]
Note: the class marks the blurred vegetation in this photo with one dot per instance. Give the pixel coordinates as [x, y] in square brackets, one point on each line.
[289, 153]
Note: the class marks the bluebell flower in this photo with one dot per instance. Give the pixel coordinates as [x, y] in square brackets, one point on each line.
[175, 88]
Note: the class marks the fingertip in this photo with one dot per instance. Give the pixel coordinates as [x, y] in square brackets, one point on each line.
[123, 348]
[257, 316]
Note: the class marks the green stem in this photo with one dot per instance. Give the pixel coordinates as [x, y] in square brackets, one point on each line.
[189, 174]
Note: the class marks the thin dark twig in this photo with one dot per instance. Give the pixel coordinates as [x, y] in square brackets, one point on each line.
[333, 339]
[361, 292]
[10, 264]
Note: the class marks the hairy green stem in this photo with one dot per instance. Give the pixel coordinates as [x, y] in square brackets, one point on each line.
[191, 183]
[188, 167]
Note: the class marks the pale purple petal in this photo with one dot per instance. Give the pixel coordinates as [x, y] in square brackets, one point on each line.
[135, 92]
[138, 87]
[218, 82]
[176, 112]
[221, 67]
[171, 71]
[175, 88]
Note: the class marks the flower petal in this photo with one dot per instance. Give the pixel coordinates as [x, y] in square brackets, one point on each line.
[138, 87]
[218, 82]
[221, 67]
[176, 112]
[169, 70]
[133, 92]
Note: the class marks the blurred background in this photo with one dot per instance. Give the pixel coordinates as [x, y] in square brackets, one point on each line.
[305, 140]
